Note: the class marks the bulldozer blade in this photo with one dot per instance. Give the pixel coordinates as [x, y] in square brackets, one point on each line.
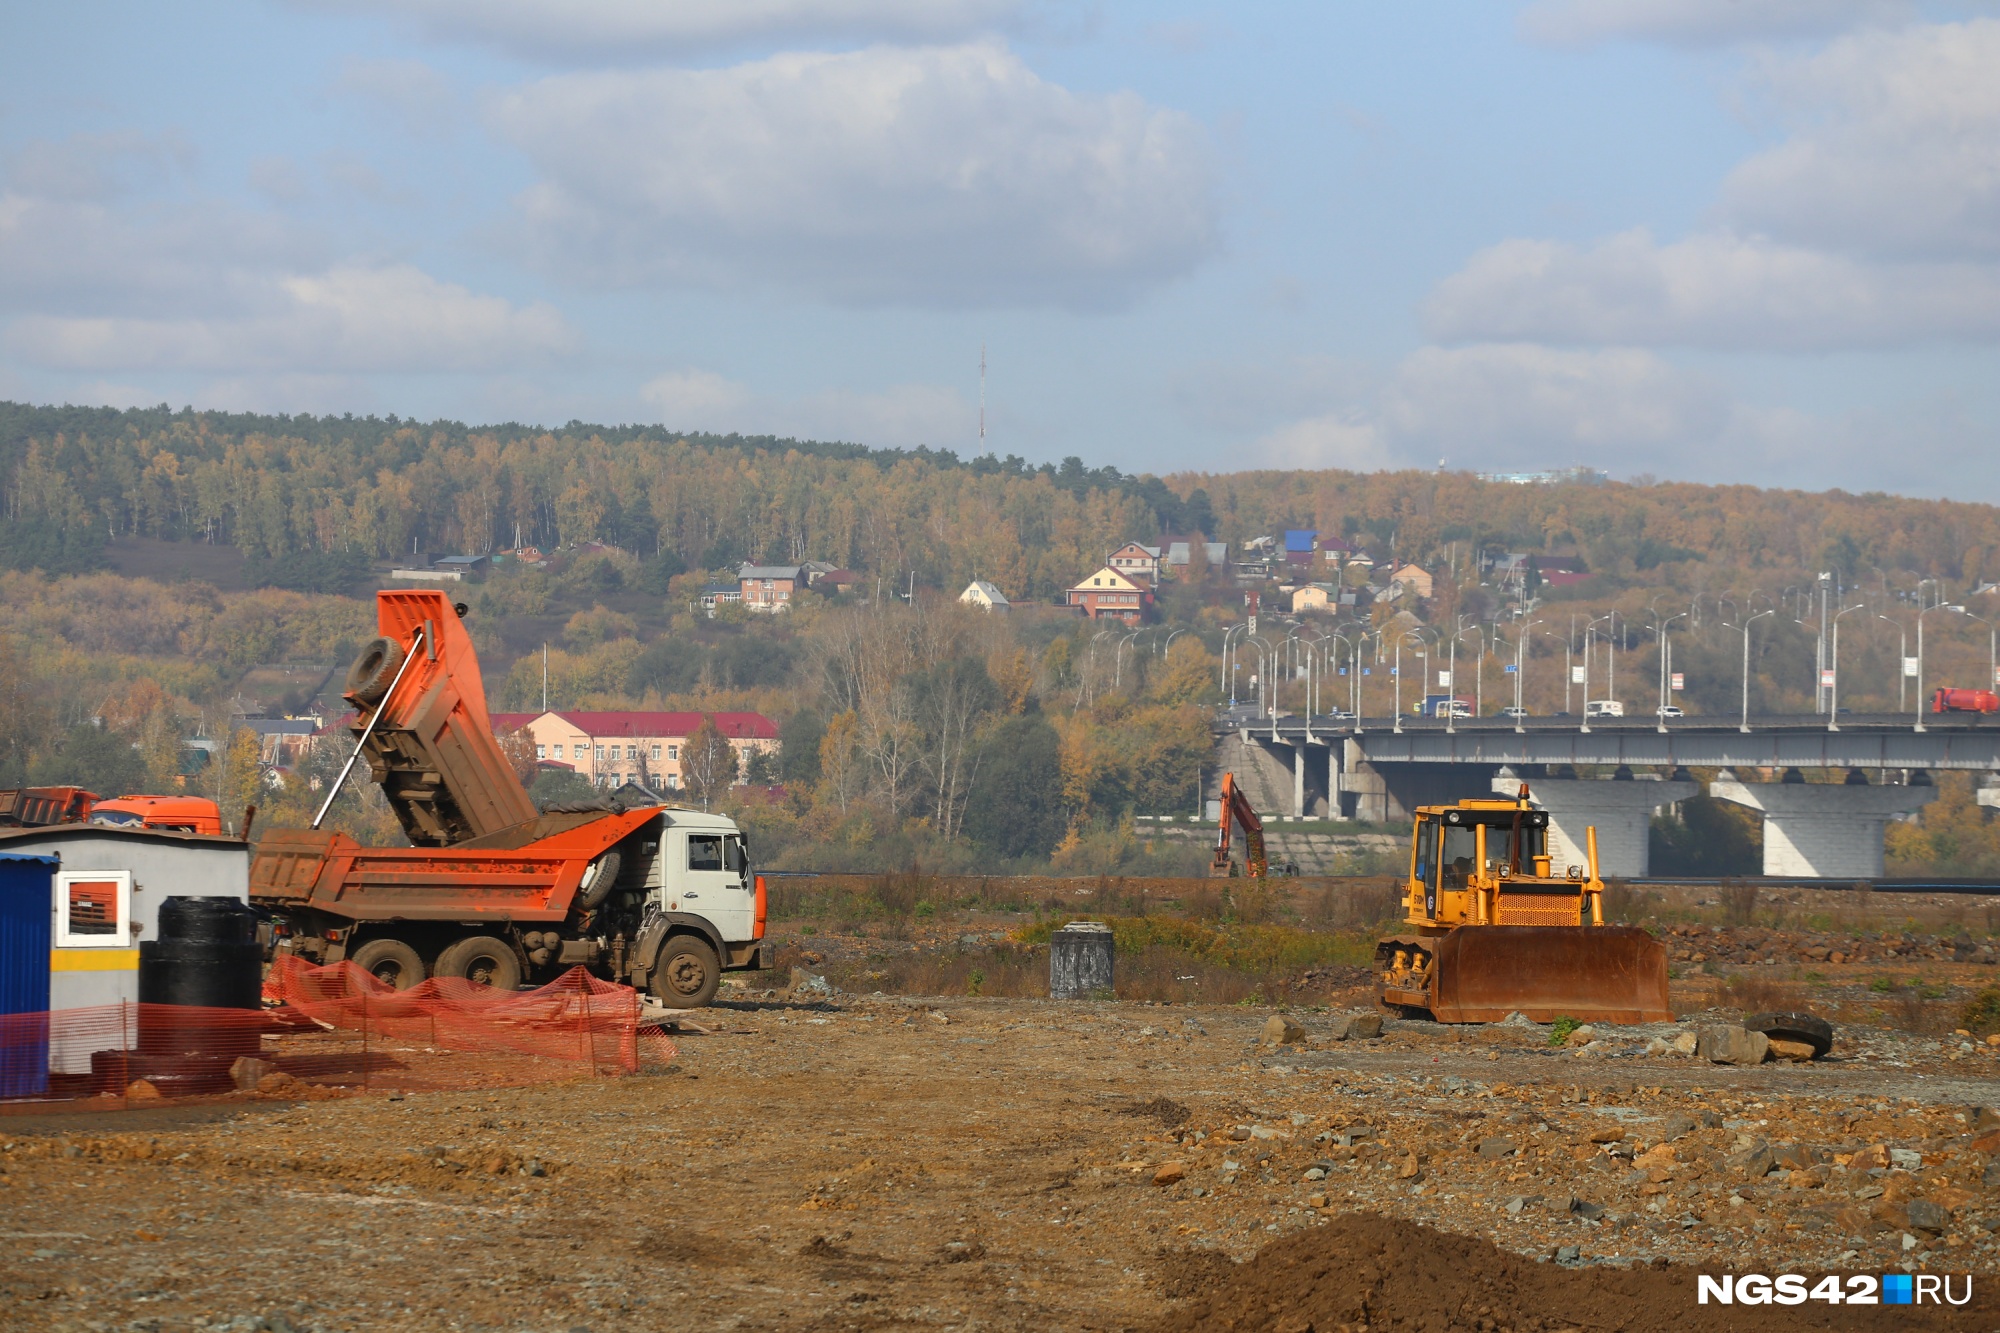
[1602, 974]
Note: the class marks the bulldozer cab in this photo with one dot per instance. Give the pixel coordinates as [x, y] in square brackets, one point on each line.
[1459, 850]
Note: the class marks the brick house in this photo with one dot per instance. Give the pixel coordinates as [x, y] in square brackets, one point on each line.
[611, 748]
[768, 589]
[1110, 595]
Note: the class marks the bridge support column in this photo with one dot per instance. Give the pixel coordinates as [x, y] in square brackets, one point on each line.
[1621, 809]
[1817, 830]
[1371, 793]
[1298, 777]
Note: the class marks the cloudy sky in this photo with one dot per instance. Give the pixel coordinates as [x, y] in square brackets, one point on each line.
[1722, 240]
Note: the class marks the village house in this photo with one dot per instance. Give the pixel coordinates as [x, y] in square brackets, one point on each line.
[1180, 550]
[985, 596]
[1134, 560]
[1412, 578]
[612, 748]
[767, 589]
[1110, 595]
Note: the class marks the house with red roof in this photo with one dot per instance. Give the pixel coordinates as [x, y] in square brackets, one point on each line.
[612, 748]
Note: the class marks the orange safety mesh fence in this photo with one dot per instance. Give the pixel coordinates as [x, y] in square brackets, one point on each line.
[325, 1031]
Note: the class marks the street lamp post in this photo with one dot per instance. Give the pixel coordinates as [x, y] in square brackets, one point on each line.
[1935, 606]
[1660, 634]
[1589, 629]
[1833, 685]
[1226, 684]
[1748, 621]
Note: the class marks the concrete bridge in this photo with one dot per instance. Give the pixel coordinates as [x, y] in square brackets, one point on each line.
[1824, 819]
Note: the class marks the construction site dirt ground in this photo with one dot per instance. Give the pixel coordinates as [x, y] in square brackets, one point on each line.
[1008, 1164]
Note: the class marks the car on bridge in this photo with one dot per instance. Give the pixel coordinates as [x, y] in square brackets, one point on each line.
[1604, 708]
[1670, 710]
[1514, 713]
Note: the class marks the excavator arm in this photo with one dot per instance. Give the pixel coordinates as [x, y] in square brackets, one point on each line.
[1236, 809]
[421, 721]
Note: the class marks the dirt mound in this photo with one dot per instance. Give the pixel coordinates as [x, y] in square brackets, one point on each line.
[1363, 1271]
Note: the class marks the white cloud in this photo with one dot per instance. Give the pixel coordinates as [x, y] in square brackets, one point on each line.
[901, 416]
[99, 273]
[694, 398]
[1712, 290]
[621, 29]
[98, 166]
[418, 97]
[350, 318]
[1522, 405]
[1897, 149]
[1521, 402]
[1331, 439]
[936, 177]
[1699, 22]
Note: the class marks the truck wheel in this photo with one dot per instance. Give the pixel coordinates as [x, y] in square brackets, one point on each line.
[368, 679]
[686, 974]
[391, 962]
[481, 959]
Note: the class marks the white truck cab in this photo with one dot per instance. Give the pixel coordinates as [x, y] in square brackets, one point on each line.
[703, 908]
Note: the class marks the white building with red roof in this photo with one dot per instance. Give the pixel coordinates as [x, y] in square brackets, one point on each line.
[610, 748]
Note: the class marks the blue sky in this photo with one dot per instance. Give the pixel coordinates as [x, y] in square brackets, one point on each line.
[1722, 240]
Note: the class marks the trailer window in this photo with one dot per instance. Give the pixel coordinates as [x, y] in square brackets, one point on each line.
[704, 851]
[93, 909]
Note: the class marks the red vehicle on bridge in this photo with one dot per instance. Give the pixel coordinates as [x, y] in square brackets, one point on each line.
[1965, 701]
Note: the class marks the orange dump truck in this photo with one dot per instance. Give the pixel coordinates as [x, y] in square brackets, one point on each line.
[491, 889]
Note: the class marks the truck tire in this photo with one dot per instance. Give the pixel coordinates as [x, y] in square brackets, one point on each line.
[686, 973]
[602, 879]
[481, 959]
[368, 679]
[391, 962]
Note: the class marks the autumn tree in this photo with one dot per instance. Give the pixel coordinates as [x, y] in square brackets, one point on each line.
[708, 763]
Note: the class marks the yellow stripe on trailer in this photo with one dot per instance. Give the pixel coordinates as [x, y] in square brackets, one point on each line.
[93, 960]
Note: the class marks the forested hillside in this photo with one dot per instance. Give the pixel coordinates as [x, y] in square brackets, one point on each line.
[167, 567]
[325, 486]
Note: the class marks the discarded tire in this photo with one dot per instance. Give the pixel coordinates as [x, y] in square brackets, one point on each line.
[1814, 1032]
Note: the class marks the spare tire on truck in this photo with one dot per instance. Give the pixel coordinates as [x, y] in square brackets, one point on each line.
[483, 959]
[373, 670]
[598, 881]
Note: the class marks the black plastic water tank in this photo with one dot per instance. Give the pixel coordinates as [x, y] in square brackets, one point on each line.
[206, 957]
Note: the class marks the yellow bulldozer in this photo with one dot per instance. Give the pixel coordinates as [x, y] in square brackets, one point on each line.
[1497, 929]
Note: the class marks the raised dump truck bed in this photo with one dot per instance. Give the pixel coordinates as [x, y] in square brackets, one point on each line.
[494, 891]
